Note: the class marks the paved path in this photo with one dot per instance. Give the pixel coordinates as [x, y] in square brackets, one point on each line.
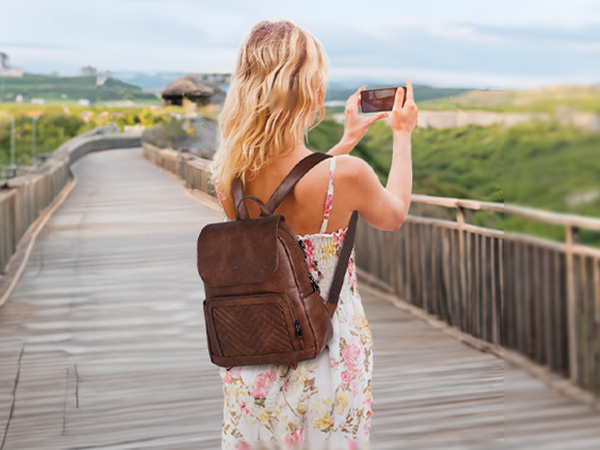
[102, 344]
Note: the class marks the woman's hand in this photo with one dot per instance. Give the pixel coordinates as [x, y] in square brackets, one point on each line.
[355, 124]
[404, 118]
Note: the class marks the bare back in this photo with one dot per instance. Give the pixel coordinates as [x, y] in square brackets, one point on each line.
[306, 209]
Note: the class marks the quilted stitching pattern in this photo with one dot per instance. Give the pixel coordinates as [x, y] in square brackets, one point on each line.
[251, 327]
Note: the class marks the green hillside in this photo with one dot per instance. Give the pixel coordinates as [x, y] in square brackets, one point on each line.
[455, 162]
[544, 99]
[49, 88]
[539, 164]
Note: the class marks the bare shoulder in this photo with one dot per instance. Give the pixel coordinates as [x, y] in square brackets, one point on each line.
[354, 179]
[354, 175]
[349, 166]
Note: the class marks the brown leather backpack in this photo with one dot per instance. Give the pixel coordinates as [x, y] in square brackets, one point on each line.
[262, 304]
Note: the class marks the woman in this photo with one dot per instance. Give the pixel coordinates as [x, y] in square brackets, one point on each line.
[276, 89]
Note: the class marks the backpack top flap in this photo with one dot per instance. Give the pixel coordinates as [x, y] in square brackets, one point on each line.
[238, 251]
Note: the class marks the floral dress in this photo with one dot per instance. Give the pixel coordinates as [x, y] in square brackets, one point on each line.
[326, 402]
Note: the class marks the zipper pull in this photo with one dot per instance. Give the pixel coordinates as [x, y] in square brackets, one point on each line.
[313, 282]
[298, 330]
[302, 246]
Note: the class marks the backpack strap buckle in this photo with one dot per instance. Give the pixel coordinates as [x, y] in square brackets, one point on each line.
[241, 213]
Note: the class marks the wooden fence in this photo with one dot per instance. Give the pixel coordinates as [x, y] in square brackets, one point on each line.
[552, 292]
[536, 296]
[533, 295]
[26, 196]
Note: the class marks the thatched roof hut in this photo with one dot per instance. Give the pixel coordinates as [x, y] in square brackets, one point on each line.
[199, 91]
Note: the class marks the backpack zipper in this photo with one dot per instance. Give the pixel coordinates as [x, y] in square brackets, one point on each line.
[312, 280]
[298, 330]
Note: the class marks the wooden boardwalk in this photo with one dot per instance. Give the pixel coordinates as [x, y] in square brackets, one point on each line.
[102, 344]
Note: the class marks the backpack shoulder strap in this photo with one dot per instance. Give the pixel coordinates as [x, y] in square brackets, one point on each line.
[286, 186]
[341, 266]
[297, 172]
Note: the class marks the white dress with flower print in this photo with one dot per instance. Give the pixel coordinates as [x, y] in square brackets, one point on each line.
[326, 402]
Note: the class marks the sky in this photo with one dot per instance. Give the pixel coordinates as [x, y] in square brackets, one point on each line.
[444, 43]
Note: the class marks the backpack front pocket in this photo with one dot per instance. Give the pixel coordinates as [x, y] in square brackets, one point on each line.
[253, 324]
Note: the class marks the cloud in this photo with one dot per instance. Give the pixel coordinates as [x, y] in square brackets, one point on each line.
[508, 42]
[34, 45]
[546, 33]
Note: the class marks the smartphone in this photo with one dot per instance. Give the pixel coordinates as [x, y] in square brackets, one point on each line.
[376, 100]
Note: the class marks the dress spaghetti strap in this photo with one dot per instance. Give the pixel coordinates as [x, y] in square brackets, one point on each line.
[329, 197]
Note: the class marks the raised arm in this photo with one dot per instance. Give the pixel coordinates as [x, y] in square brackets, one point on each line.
[386, 207]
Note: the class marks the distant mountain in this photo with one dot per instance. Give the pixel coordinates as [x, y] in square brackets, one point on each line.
[155, 82]
[146, 86]
[335, 90]
[50, 87]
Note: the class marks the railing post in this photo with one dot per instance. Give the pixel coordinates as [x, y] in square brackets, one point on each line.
[572, 237]
[460, 221]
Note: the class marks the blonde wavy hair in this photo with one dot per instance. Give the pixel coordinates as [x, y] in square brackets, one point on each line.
[276, 89]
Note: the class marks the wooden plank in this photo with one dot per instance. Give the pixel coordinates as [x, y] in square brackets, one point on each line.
[589, 318]
[538, 302]
[547, 320]
[519, 297]
[572, 305]
[494, 300]
[501, 288]
[477, 297]
[455, 271]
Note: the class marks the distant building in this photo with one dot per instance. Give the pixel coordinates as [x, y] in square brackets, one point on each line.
[6, 70]
[101, 79]
[219, 78]
[201, 92]
[88, 71]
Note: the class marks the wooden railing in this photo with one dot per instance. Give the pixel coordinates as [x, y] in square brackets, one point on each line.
[552, 292]
[533, 295]
[26, 196]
